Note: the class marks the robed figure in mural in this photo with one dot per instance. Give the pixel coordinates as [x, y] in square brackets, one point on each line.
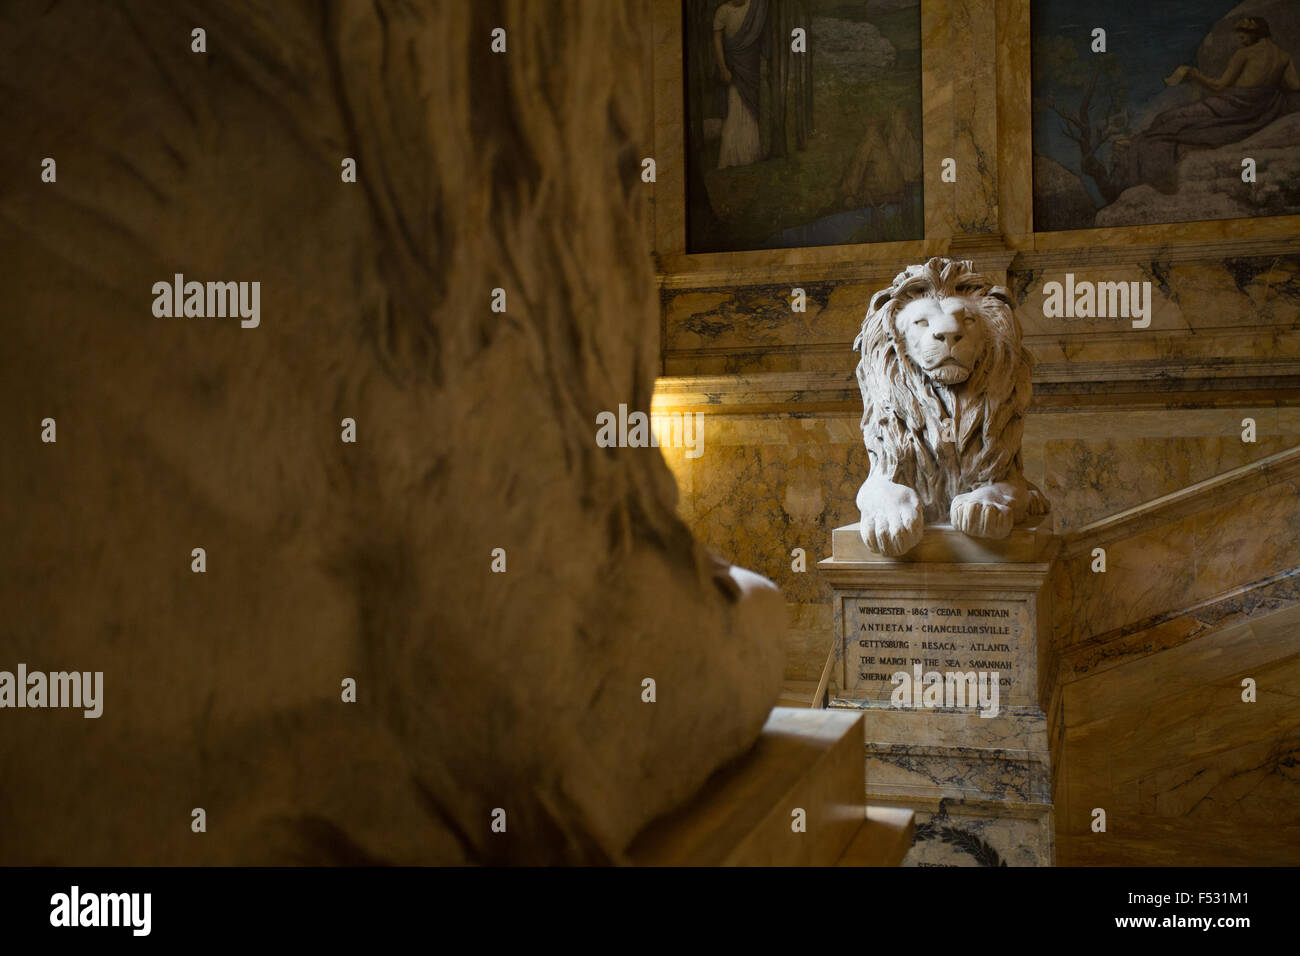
[737, 38]
[1258, 86]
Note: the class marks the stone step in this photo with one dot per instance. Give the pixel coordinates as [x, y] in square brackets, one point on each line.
[883, 840]
[805, 759]
[798, 693]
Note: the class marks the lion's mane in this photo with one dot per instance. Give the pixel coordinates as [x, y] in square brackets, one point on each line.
[904, 410]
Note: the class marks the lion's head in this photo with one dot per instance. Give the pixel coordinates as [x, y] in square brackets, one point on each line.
[945, 382]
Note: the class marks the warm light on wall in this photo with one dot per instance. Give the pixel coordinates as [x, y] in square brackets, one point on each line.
[680, 430]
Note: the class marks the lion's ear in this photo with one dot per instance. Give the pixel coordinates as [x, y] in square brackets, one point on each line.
[1003, 293]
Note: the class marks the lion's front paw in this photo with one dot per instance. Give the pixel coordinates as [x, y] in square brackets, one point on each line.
[893, 523]
[979, 514]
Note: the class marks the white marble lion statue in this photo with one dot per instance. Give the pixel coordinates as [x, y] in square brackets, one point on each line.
[945, 383]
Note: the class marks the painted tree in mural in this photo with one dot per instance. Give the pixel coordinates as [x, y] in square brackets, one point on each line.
[1095, 115]
[789, 75]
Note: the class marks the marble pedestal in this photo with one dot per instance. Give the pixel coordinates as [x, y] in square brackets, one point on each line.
[980, 785]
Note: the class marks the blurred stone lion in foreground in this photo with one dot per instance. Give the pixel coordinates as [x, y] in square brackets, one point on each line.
[476, 692]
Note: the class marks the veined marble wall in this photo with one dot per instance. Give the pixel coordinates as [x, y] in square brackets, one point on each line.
[1121, 417]
[769, 482]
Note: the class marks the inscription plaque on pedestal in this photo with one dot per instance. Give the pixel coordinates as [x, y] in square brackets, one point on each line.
[883, 636]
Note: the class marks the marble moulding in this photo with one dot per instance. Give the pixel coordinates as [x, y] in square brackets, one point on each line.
[945, 384]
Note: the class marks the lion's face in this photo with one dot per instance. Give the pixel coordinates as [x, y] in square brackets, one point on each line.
[945, 338]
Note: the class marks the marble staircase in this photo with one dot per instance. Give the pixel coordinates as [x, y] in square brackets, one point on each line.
[1201, 592]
